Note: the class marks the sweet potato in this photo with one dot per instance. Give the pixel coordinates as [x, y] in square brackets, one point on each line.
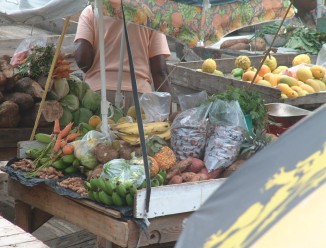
[172, 173]
[213, 174]
[202, 176]
[228, 43]
[9, 114]
[187, 176]
[177, 179]
[196, 165]
[182, 165]
[195, 178]
[240, 46]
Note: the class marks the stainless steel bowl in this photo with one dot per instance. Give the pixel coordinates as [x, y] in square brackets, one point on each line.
[285, 110]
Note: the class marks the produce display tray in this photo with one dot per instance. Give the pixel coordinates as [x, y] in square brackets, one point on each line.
[186, 80]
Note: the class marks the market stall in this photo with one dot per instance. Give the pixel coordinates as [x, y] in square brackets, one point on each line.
[99, 180]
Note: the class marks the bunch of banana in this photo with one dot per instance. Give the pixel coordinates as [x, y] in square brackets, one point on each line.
[111, 193]
[158, 180]
[129, 132]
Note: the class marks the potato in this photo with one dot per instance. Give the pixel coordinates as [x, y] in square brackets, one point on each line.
[177, 179]
[196, 165]
[187, 176]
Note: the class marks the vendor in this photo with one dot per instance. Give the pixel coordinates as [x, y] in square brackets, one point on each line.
[149, 49]
[306, 14]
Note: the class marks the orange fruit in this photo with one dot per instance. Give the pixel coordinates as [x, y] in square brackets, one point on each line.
[272, 78]
[249, 76]
[263, 70]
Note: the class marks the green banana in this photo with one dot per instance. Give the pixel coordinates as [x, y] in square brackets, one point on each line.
[109, 187]
[155, 182]
[68, 159]
[88, 186]
[160, 179]
[121, 189]
[133, 189]
[129, 199]
[94, 184]
[164, 174]
[117, 199]
[91, 195]
[76, 163]
[96, 196]
[105, 198]
[101, 183]
[59, 165]
[33, 153]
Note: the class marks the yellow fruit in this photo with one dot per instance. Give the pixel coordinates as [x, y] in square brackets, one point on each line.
[296, 88]
[300, 59]
[313, 84]
[271, 62]
[110, 121]
[264, 82]
[283, 96]
[243, 62]
[284, 79]
[304, 73]
[322, 85]
[252, 68]
[303, 93]
[272, 78]
[219, 73]
[200, 70]
[318, 71]
[209, 65]
[279, 69]
[285, 89]
[307, 88]
[94, 121]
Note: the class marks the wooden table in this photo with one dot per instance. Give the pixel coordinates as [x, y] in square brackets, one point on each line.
[13, 236]
[35, 205]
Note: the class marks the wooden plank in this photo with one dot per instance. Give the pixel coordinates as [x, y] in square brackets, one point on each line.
[23, 146]
[42, 197]
[13, 236]
[161, 230]
[174, 199]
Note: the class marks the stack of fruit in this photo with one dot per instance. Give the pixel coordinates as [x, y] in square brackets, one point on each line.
[210, 66]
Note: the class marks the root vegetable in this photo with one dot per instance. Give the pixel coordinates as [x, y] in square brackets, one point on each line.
[229, 43]
[187, 176]
[196, 165]
[23, 100]
[213, 174]
[9, 114]
[125, 152]
[195, 178]
[175, 180]
[183, 164]
[202, 176]
[105, 153]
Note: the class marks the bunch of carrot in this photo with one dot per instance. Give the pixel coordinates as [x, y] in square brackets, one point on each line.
[62, 68]
[63, 138]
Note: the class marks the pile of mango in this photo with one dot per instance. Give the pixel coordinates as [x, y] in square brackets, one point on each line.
[300, 80]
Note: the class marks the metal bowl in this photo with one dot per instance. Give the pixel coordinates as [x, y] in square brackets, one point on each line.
[279, 41]
[285, 110]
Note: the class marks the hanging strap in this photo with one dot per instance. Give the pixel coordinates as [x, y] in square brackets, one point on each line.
[138, 113]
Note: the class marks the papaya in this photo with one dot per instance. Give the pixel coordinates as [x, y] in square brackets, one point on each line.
[284, 79]
[286, 89]
[322, 85]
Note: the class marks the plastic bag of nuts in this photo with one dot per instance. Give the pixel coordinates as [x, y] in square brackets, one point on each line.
[189, 133]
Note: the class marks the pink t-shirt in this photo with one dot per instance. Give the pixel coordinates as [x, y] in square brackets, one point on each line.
[144, 43]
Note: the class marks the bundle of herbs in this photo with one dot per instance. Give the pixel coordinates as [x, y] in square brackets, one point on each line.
[38, 62]
[250, 102]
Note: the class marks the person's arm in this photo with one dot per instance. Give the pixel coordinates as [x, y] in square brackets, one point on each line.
[84, 54]
[159, 72]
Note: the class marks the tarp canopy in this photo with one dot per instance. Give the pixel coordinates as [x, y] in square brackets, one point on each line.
[212, 2]
[36, 11]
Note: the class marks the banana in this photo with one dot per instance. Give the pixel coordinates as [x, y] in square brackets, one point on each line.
[91, 195]
[88, 186]
[117, 199]
[149, 128]
[101, 183]
[129, 199]
[165, 135]
[121, 189]
[94, 184]
[131, 139]
[133, 189]
[155, 183]
[105, 198]
[164, 174]
[96, 196]
[160, 179]
[109, 187]
[43, 138]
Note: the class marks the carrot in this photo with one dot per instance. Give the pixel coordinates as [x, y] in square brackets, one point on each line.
[68, 149]
[57, 144]
[64, 132]
[62, 68]
[63, 143]
[72, 137]
[56, 128]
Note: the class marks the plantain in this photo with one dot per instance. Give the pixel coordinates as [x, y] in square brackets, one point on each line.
[121, 189]
[109, 187]
[96, 196]
[68, 159]
[105, 198]
[149, 128]
[165, 135]
[163, 173]
[117, 199]
[94, 183]
[101, 183]
[59, 165]
[155, 182]
[70, 169]
[131, 139]
[133, 189]
[43, 138]
[130, 199]
[91, 195]
[88, 186]
[160, 179]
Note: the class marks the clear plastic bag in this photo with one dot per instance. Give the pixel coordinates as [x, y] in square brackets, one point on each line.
[188, 130]
[192, 100]
[24, 48]
[225, 134]
[156, 106]
[321, 57]
[84, 148]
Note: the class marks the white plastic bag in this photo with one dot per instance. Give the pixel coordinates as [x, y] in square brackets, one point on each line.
[321, 57]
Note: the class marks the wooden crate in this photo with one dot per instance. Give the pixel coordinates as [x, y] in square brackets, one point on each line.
[186, 80]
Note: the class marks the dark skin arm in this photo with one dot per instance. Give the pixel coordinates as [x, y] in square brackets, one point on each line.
[84, 54]
[159, 72]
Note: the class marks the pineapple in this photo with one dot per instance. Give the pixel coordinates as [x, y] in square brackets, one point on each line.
[154, 167]
[158, 149]
[254, 143]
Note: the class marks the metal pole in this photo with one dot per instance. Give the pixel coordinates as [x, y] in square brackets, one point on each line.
[118, 96]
